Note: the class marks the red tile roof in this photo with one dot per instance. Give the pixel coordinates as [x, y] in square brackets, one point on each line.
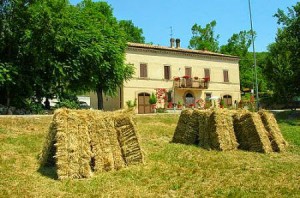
[180, 50]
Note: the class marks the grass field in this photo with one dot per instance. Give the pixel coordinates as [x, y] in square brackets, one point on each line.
[171, 170]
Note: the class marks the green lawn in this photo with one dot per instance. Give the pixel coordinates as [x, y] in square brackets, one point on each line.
[170, 170]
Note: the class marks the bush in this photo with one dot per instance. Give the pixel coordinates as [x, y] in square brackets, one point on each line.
[131, 104]
[161, 110]
[152, 99]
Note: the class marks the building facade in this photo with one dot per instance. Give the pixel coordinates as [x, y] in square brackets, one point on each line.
[175, 75]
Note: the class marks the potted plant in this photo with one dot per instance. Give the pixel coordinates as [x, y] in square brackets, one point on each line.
[152, 101]
[179, 104]
[222, 103]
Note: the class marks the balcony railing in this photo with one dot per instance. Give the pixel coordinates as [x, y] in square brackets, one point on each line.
[188, 82]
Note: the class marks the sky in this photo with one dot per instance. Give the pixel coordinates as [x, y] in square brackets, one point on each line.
[156, 17]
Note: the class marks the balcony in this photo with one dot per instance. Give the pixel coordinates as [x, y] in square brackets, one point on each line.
[188, 82]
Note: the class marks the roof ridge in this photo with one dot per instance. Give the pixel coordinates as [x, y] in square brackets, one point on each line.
[205, 52]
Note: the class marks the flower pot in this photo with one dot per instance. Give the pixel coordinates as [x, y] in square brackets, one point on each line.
[153, 108]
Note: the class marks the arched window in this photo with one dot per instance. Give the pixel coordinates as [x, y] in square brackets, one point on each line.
[227, 100]
[189, 99]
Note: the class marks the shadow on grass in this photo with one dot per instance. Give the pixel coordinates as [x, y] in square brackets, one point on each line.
[48, 171]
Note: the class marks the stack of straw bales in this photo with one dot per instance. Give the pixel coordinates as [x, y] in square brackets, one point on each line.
[251, 133]
[186, 131]
[221, 131]
[81, 142]
[228, 130]
[277, 141]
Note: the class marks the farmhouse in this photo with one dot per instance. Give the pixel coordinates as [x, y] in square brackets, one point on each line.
[176, 76]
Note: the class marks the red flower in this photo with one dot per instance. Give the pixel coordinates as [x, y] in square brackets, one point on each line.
[176, 78]
[186, 76]
[206, 79]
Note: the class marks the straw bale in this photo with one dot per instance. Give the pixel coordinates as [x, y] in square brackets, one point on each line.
[204, 128]
[222, 135]
[128, 138]
[106, 153]
[73, 152]
[250, 132]
[86, 141]
[186, 131]
[277, 141]
[216, 130]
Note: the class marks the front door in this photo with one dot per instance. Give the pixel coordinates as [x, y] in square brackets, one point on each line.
[143, 103]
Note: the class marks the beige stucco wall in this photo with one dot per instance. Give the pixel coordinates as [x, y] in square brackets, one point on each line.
[177, 61]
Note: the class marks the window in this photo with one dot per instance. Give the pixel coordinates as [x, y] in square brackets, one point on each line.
[167, 72]
[227, 100]
[206, 73]
[143, 70]
[188, 71]
[225, 74]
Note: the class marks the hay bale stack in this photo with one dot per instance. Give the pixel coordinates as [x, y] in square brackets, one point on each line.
[277, 141]
[204, 128]
[250, 132]
[221, 131]
[128, 139]
[106, 152]
[73, 150]
[186, 131]
[86, 141]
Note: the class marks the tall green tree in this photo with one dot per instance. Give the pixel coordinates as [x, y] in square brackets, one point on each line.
[132, 33]
[238, 45]
[92, 48]
[204, 37]
[13, 22]
[50, 47]
[283, 65]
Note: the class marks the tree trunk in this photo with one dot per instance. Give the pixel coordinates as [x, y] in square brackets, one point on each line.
[7, 97]
[100, 98]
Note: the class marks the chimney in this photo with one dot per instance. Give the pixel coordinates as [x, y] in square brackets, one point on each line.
[172, 41]
[178, 43]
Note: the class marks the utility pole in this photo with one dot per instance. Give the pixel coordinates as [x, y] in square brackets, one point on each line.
[254, 57]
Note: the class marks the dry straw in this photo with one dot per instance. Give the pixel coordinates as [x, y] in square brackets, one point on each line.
[277, 141]
[186, 131]
[228, 130]
[250, 132]
[221, 131]
[86, 141]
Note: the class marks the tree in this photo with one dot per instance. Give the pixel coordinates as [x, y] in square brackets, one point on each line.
[13, 22]
[93, 50]
[133, 33]
[204, 38]
[238, 44]
[282, 68]
[56, 48]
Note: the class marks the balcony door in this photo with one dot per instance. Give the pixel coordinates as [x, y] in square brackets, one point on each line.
[189, 99]
[143, 103]
[188, 71]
